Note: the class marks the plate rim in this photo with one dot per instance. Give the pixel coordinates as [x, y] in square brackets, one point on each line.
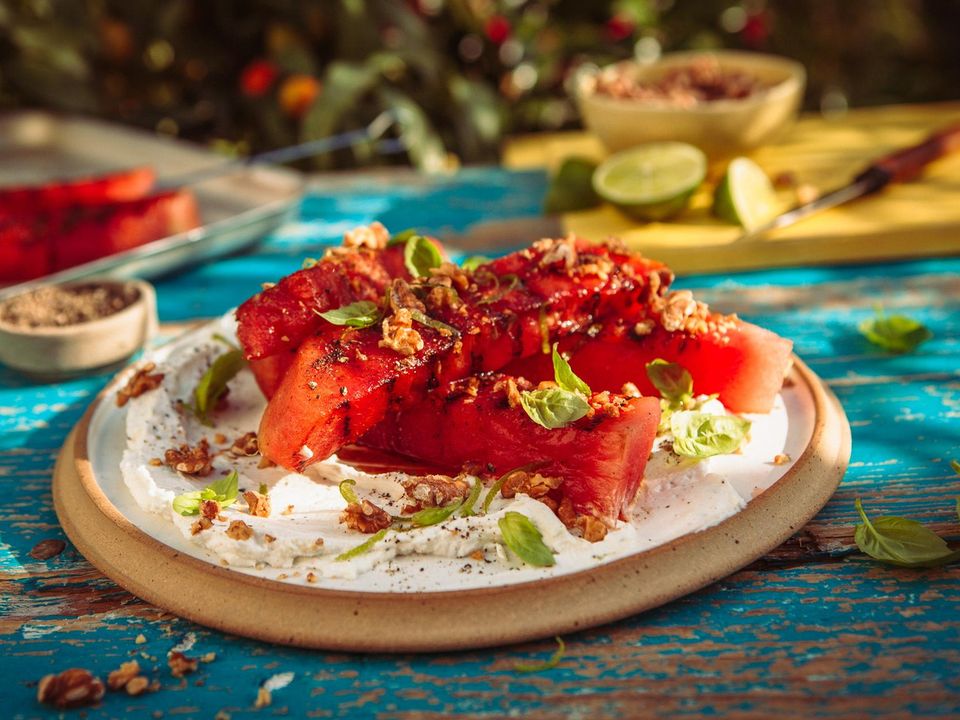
[824, 458]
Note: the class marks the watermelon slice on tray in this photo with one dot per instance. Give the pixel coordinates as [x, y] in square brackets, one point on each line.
[104, 189]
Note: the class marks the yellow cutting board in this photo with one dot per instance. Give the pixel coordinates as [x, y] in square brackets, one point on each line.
[921, 218]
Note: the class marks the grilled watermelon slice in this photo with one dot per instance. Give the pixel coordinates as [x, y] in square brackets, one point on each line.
[88, 190]
[744, 364]
[338, 389]
[470, 422]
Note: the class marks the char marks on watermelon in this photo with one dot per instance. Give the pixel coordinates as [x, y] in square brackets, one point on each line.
[475, 422]
[336, 390]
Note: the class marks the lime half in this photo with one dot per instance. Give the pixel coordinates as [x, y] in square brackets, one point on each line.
[745, 196]
[651, 182]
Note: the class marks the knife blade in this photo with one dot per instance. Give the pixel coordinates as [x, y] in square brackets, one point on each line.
[899, 166]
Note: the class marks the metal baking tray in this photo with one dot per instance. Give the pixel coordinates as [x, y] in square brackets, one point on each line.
[236, 209]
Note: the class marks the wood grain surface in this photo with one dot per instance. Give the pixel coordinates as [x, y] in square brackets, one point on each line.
[814, 629]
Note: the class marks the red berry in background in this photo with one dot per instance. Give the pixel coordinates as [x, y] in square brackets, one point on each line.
[619, 27]
[258, 77]
[497, 29]
[756, 30]
[297, 94]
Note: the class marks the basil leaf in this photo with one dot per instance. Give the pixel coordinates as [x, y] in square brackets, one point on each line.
[356, 315]
[441, 327]
[553, 407]
[474, 495]
[524, 539]
[225, 489]
[547, 665]
[347, 492]
[473, 262]
[672, 381]
[188, 503]
[903, 542]
[420, 256]
[565, 377]
[434, 515]
[701, 435]
[309, 263]
[213, 383]
[401, 237]
[894, 333]
[362, 547]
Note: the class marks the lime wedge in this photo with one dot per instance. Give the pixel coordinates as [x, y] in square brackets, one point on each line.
[571, 189]
[651, 182]
[745, 195]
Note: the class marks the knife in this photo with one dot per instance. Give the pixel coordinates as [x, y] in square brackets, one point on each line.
[900, 166]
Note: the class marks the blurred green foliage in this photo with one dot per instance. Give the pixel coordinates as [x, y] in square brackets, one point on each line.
[249, 75]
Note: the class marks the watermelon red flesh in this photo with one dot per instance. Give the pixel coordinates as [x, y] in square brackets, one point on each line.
[337, 390]
[90, 190]
[601, 459]
[277, 320]
[25, 252]
[745, 365]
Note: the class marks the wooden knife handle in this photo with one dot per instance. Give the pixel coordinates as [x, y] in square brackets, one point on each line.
[906, 164]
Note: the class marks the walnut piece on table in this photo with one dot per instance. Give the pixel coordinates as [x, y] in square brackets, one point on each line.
[180, 664]
[118, 679]
[72, 688]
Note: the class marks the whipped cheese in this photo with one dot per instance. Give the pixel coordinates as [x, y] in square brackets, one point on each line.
[301, 538]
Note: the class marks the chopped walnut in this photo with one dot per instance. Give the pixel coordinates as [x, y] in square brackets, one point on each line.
[365, 517]
[210, 509]
[373, 236]
[72, 688]
[246, 445]
[118, 679]
[533, 484]
[630, 390]
[191, 460]
[589, 527]
[239, 530]
[512, 387]
[311, 577]
[180, 664]
[200, 525]
[554, 251]
[263, 698]
[137, 685]
[679, 305]
[781, 459]
[434, 490]
[143, 380]
[259, 504]
[399, 335]
[644, 327]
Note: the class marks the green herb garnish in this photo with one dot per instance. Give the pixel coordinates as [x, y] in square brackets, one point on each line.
[347, 492]
[420, 256]
[524, 539]
[556, 407]
[672, 381]
[401, 237]
[356, 315]
[894, 333]
[495, 488]
[546, 665]
[224, 491]
[435, 515]
[472, 498]
[362, 547]
[213, 383]
[263, 489]
[902, 542]
[441, 327]
[473, 262]
[309, 263]
[701, 435]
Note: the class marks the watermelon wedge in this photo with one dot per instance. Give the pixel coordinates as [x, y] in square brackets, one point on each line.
[601, 459]
[88, 190]
[336, 390]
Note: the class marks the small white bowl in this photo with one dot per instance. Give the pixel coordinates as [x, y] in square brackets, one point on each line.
[721, 128]
[56, 352]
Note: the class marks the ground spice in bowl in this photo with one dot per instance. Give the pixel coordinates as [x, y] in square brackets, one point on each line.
[64, 305]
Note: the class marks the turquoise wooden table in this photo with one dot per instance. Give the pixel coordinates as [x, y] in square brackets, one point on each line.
[815, 629]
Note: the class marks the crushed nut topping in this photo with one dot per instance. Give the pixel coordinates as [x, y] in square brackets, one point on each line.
[554, 251]
[259, 504]
[137, 685]
[263, 698]
[450, 275]
[72, 688]
[680, 311]
[209, 509]
[533, 484]
[191, 460]
[589, 527]
[644, 327]
[365, 517]
[373, 236]
[399, 335]
[434, 491]
[200, 525]
[630, 390]
[118, 679]
[781, 459]
[511, 387]
[245, 445]
[239, 530]
[180, 664]
[143, 380]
